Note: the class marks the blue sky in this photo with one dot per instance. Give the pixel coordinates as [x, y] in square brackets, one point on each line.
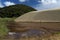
[37, 4]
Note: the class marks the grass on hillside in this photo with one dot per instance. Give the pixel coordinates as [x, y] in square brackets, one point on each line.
[3, 27]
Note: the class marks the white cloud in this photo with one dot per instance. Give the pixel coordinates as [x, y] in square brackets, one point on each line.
[22, 0]
[8, 3]
[39, 1]
[47, 4]
[49, 1]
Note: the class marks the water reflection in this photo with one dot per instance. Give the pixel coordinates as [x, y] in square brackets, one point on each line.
[30, 33]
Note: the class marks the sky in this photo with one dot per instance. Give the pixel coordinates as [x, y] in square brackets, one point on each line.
[37, 4]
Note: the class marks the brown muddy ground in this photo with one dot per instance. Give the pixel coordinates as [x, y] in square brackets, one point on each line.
[51, 37]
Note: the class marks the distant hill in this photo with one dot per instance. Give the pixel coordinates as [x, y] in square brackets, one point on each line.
[15, 10]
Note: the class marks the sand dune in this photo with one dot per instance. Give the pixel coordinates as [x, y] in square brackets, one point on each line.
[48, 20]
[50, 15]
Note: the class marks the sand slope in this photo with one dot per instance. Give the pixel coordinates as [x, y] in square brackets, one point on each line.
[50, 15]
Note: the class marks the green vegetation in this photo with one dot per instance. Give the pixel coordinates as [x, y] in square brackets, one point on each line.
[15, 10]
[3, 27]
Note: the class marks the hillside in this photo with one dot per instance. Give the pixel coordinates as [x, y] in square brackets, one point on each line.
[15, 10]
